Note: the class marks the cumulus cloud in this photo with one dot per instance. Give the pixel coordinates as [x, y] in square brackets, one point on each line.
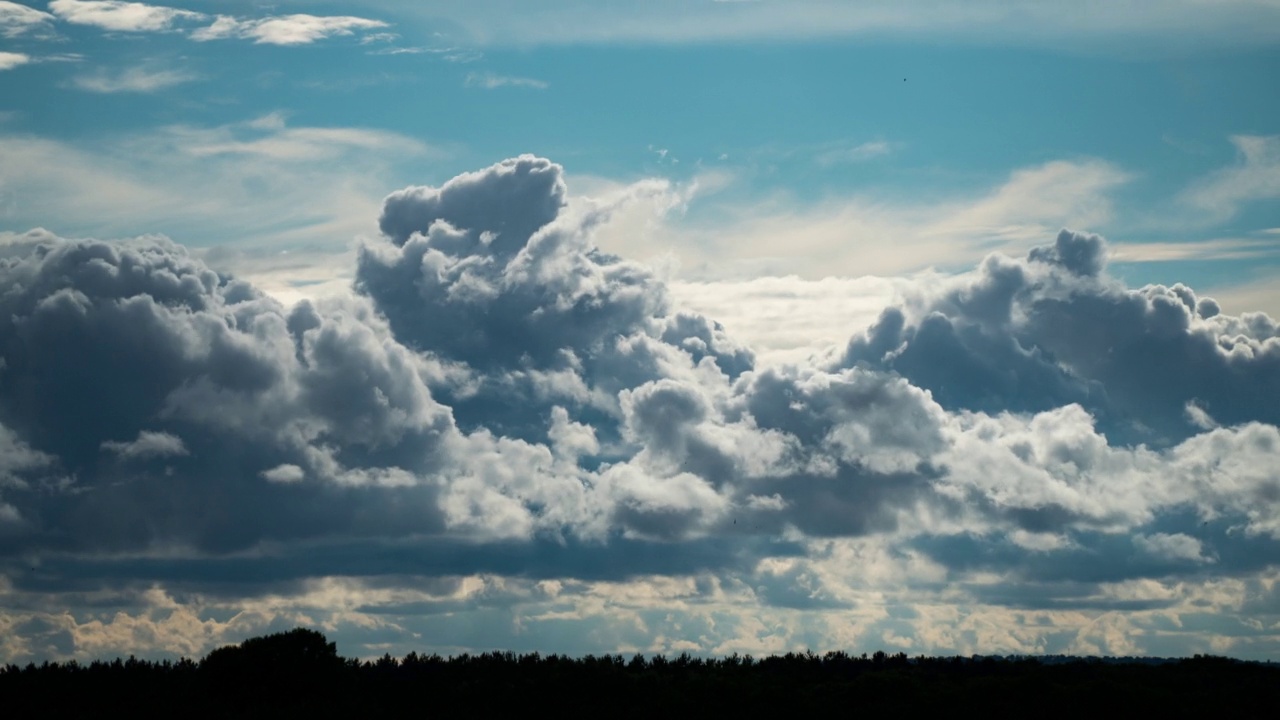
[1053, 329]
[506, 424]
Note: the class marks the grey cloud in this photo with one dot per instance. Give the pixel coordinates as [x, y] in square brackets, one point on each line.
[500, 397]
[489, 270]
[147, 445]
[1053, 329]
[128, 347]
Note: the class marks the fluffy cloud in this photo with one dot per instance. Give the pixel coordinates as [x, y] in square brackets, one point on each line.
[508, 428]
[11, 60]
[285, 29]
[121, 16]
[1052, 329]
[116, 15]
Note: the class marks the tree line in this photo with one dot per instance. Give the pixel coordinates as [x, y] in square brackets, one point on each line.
[300, 673]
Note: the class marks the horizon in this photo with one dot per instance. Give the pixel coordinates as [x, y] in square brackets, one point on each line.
[578, 328]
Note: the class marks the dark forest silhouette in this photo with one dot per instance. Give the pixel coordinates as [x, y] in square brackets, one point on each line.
[300, 674]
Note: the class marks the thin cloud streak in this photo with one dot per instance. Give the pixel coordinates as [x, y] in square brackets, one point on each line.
[132, 80]
[492, 81]
[567, 22]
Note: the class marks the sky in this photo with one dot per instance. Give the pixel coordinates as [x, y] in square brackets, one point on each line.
[678, 326]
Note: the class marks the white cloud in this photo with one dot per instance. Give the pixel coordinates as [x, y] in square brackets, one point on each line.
[1199, 417]
[285, 29]
[1256, 176]
[121, 16]
[147, 445]
[16, 19]
[864, 235]
[1215, 249]
[258, 183]
[287, 473]
[490, 81]
[791, 319]
[132, 80]
[1167, 546]
[11, 60]
[858, 153]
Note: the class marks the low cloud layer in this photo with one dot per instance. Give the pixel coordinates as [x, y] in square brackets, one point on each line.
[505, 437]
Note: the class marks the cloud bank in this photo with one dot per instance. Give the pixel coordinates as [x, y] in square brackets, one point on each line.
[506, 437]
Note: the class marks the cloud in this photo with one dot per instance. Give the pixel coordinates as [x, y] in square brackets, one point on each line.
[864, 235]
[858, 153]
[503, 434]
[147, 445]
[132, 80]
[1054, 330]
[1215, 249]
[257, 180]
[121, 16]
[791, 319]
[1039, 22]
[491, 81]
[17, 20]
[1256, 176]
[115, 15]
[299, 29]
[11, 60]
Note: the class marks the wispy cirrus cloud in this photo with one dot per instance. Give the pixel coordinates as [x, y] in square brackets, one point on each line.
[1215, 249]
[855, 154]
[132, 80]
[16, 20]
[1033, 22]
[492, 81]
[1255, 176]
[258, 180]
[862, 235]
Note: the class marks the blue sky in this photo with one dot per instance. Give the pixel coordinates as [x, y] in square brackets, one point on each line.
[868, 199]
